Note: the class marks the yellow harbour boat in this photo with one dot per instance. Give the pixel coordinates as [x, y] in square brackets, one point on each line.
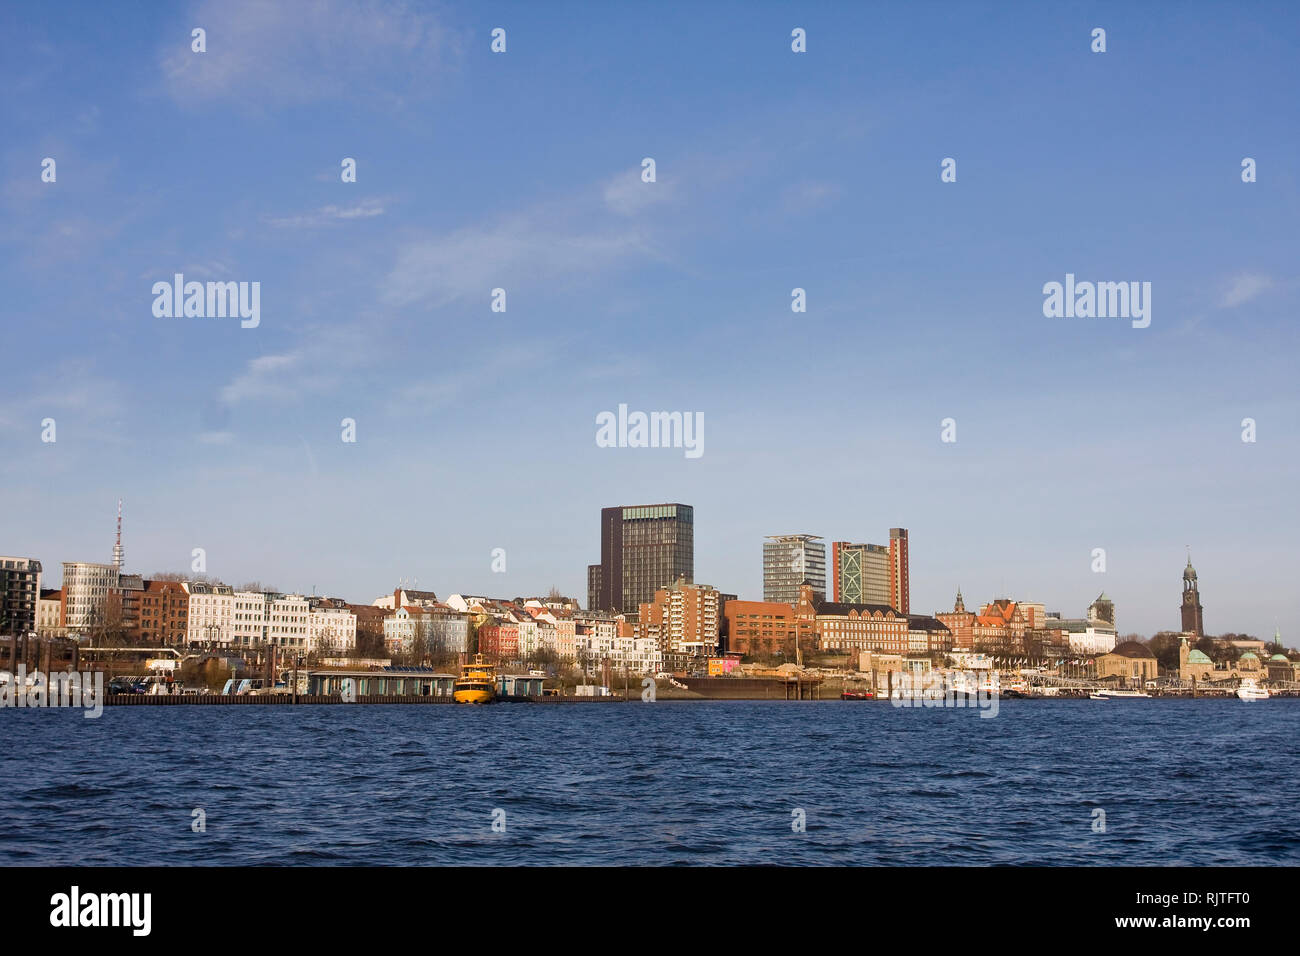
[476, 684]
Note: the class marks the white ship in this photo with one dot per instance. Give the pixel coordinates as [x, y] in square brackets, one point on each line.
[1249, 689]
[1118, 694]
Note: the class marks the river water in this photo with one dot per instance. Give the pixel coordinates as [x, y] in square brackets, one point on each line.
[1204, 782]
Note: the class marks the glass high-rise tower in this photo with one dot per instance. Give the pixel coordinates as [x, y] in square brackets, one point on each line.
[642, 548]
[788, 561]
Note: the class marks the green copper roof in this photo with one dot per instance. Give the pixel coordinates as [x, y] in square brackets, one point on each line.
[1197, 657]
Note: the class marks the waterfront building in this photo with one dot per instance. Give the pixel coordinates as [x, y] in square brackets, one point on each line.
[860, 573]
[387, 681]
[164, 613]
[861, 627]
[560, 627]
[20, 595]
[249, 624]
[499, 641]
[435, 629]
[1193, 664]
[406, 597]
[790, 560]
[900, 585]
[872, 573]
[331, 627]
[623, 652]
[960, 623]
[999, 628]
[86, 589]
[125, 603]
[1282, 669]
[682, 619]
[210, 617]
[1193, 615]
[927, 635]
[49, 614]
[1090, 635]
[1131, 662]
[286, 621]
[642, 549]
[766, 628]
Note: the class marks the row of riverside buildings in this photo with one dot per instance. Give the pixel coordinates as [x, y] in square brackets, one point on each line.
[646, 576]
[644, 611]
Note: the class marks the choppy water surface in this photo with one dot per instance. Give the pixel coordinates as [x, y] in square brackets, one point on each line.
[1180, 782]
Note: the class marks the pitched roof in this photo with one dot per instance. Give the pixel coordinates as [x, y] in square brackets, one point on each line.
[1133, 649]
[923, 622]
[842, 608]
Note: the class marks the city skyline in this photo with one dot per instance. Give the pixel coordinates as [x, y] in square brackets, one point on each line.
[476, 429]
[1187, 573]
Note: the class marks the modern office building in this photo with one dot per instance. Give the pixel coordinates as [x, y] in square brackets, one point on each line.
[872, 573]
[20, 595]
[860, 573]
[790, 560]
[86, 588]
[642, 548]
[900, 585]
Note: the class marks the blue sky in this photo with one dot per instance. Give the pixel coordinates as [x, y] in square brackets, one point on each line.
[475, 429]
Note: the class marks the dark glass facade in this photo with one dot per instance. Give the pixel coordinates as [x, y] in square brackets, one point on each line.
[642, 549]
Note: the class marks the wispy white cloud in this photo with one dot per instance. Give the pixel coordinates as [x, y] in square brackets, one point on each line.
[1244, 287]
[320, 364]
[473, 261]
[268, 54]
[627, 195]
[328, 215]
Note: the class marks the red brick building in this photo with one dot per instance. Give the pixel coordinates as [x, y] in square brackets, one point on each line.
[164, 608]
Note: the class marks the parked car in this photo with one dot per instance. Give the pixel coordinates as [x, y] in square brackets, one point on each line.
[122, 685]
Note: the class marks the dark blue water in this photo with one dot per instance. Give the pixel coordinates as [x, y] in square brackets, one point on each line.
[1181, 782]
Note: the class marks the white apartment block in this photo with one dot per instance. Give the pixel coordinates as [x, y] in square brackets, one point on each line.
[211, 614]
[331, 630]
[439, 629]
[249, 625]
[640, 655]
[1091, 640]
[286, 621]
[85, 587]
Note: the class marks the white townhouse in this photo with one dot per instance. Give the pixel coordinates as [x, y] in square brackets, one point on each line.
[331, 630]
[211, 615]
[286, 621]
